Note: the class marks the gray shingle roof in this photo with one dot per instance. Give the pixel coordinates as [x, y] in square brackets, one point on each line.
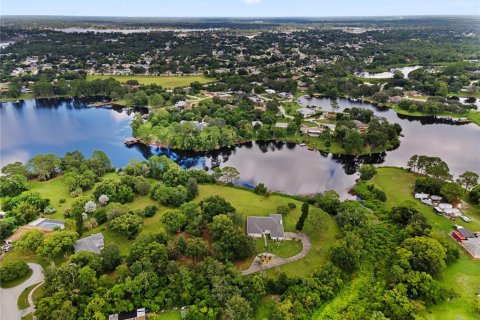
[93, 243]
[473, 247]
[465, 232]
[272, 225]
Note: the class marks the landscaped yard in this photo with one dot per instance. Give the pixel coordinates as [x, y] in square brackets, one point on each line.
[282, 249]
[22, 302]
[320, 227]
[464, 275]
[168, 82]
[14, 283]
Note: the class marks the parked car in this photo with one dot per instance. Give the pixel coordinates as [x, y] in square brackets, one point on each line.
[7, 247]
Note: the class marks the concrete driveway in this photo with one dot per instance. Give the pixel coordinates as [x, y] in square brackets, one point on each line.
[9, 297]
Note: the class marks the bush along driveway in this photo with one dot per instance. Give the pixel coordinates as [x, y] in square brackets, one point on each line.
[275, 261]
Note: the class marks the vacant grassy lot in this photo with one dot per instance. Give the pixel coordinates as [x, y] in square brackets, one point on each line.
[168, 82]
[464, 275]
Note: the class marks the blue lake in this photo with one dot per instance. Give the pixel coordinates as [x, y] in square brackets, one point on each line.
[57, 126]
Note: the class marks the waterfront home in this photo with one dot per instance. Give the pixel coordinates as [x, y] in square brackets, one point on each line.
[312, 131]
[395, 99]
[261, 108]
[305, 112]
[262, 226]
[360, 126]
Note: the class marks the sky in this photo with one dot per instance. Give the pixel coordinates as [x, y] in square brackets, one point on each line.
[239, 8]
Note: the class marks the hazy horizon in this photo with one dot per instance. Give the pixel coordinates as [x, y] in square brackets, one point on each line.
[240, 8]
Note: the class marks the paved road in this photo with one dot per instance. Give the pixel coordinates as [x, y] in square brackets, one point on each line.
[9, 297]
[289, 236]
[282, 110]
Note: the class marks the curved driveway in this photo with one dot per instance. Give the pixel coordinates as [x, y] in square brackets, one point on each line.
[289, 236]
[9, 297]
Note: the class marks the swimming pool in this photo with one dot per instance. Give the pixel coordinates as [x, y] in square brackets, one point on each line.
[48, 223]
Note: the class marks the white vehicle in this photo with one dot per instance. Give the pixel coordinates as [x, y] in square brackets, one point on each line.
[466, 219]
[7, 247]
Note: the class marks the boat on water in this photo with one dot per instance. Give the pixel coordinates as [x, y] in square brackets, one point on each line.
[311, 149]
[302, 144]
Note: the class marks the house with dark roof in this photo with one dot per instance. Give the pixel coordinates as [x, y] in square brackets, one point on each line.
[261, 226]
[140, 314]
[468, 240]
[93, 243]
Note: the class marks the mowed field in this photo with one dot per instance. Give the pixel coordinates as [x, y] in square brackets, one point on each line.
[464, 275]
[168, 82]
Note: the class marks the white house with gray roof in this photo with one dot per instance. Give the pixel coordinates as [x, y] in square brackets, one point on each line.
[93, 243]
[261, 226]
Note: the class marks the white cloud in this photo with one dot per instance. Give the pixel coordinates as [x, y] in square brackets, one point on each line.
[252, 2]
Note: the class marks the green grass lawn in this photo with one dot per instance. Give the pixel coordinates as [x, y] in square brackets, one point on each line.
[170, 315]
[14, 283]
[320, 227]
[472, 115]
[22, 302]
[38, 293]
[283, 249]
[464, 275]
[23, 96]
[264, 309]
[28, 316]
[168, 82]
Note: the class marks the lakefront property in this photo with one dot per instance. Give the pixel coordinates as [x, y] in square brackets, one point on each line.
[239, 168]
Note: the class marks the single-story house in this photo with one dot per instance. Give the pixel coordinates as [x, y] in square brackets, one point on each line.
[395, 99]
[270, 91]
[181, 104]
[427, 201]
[312, 131]
[421, 195]
[282, 125]
[93, 243]
[305, 112]
[468, 240]
[140, 314]
[261, 108]
[445, 206]
[261, 226]
[362, 127]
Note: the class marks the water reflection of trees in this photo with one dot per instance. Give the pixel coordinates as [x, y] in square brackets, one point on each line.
[351, 163]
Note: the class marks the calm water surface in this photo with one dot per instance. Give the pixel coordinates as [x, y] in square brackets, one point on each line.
[52, 126]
